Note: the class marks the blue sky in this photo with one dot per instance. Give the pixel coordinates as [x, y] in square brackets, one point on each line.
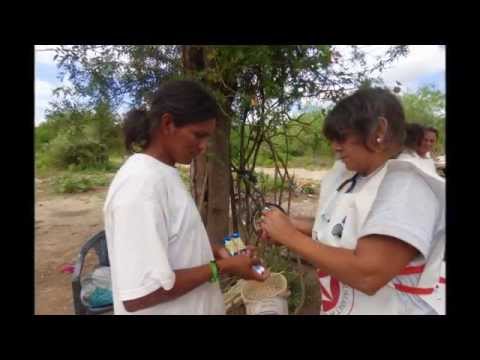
[436, 79]
[425, 65]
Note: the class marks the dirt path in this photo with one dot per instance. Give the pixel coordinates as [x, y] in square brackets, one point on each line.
[63, 223]
[300, 173]
[316, 175]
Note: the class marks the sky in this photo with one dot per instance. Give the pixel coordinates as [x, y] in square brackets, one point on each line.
[424, 65]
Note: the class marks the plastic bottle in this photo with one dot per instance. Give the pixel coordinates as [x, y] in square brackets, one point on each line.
[229, 245]
[239, 244]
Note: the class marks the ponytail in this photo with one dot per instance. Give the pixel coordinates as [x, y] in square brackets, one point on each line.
[136, 130]
[186, 100]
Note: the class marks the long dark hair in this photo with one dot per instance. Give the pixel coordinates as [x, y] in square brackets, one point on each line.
[186, 100]
[359, 113]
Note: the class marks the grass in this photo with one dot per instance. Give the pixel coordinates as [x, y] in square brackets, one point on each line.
[76, 180]
[80, 182]
[268, 183]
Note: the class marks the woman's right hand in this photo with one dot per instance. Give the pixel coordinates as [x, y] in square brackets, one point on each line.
[242, 265]
[263, 235]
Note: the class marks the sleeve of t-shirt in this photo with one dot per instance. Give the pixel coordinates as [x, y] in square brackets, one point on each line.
[405, 208]
[141, 249]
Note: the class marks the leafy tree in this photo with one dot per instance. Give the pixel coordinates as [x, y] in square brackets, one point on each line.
[427, 107]
[257, 86]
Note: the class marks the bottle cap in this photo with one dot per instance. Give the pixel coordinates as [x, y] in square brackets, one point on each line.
[259, 269]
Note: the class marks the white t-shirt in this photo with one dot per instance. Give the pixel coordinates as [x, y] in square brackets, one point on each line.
[427, 162]
[153, 228]
[405, 208]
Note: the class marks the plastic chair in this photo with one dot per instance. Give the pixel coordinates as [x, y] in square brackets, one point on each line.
[99, 243]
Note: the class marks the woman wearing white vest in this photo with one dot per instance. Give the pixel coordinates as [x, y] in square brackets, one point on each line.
[378, 237]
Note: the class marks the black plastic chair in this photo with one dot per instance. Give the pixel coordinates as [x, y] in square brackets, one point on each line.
[99, 243]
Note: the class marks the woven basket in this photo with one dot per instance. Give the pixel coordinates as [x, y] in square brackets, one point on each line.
[274, 285]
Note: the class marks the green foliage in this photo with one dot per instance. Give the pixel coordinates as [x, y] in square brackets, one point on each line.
[76, 183]
[68, 149]
[185, 176]
[57, 122]
[308, 189]
[79, 138]
[268, 183]
[259, 82]
[427, 107]
[68, 184]
[301, 143]
[107, 73]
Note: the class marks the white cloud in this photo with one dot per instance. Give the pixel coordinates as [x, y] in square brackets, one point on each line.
[421, 63]
[43, 89]
[423, 60]
[44, 54]
[43, 94]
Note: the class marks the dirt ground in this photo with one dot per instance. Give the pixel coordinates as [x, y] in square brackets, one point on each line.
[316, 175]
[64, 222]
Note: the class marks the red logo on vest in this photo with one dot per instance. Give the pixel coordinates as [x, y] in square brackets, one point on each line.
[330, 291]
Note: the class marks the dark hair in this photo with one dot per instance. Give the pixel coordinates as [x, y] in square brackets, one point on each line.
[432, 129]
[186, 100]
[414, 135]
[359, 113]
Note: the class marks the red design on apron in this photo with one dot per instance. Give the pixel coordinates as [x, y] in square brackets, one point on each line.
[330, 296]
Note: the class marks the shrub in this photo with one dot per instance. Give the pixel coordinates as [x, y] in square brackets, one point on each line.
[71, 149]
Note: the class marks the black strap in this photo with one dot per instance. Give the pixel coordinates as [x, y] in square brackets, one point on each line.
[353, 181]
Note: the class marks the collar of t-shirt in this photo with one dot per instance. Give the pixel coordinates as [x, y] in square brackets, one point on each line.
[156, 163]
[362, 180]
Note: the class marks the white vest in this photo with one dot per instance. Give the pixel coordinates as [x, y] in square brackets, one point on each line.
[352, 209]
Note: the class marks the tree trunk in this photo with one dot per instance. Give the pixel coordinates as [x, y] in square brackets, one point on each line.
[218, 167]
[199, 181]
[210, 173]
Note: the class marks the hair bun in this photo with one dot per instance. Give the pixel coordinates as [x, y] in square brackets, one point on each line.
[136, 128]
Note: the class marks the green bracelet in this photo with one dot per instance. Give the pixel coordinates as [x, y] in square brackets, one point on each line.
[215, 273]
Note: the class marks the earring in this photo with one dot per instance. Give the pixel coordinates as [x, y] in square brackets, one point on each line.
[379, 140]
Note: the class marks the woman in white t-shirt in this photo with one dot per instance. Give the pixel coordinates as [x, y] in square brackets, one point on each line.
[160, 255]
[429, 139]
[415, 145]
[378, 237]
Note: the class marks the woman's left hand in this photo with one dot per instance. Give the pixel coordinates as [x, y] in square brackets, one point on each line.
[278, 227]
[251, 251]
[220, 253]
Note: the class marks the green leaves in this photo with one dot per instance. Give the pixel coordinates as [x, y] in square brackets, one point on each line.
[78, 137]
[109, 73]
[77, 183]
[427, 107]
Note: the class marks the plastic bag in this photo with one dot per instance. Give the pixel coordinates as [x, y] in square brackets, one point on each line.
[268, 297]
[276, 305]
[97, 288]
